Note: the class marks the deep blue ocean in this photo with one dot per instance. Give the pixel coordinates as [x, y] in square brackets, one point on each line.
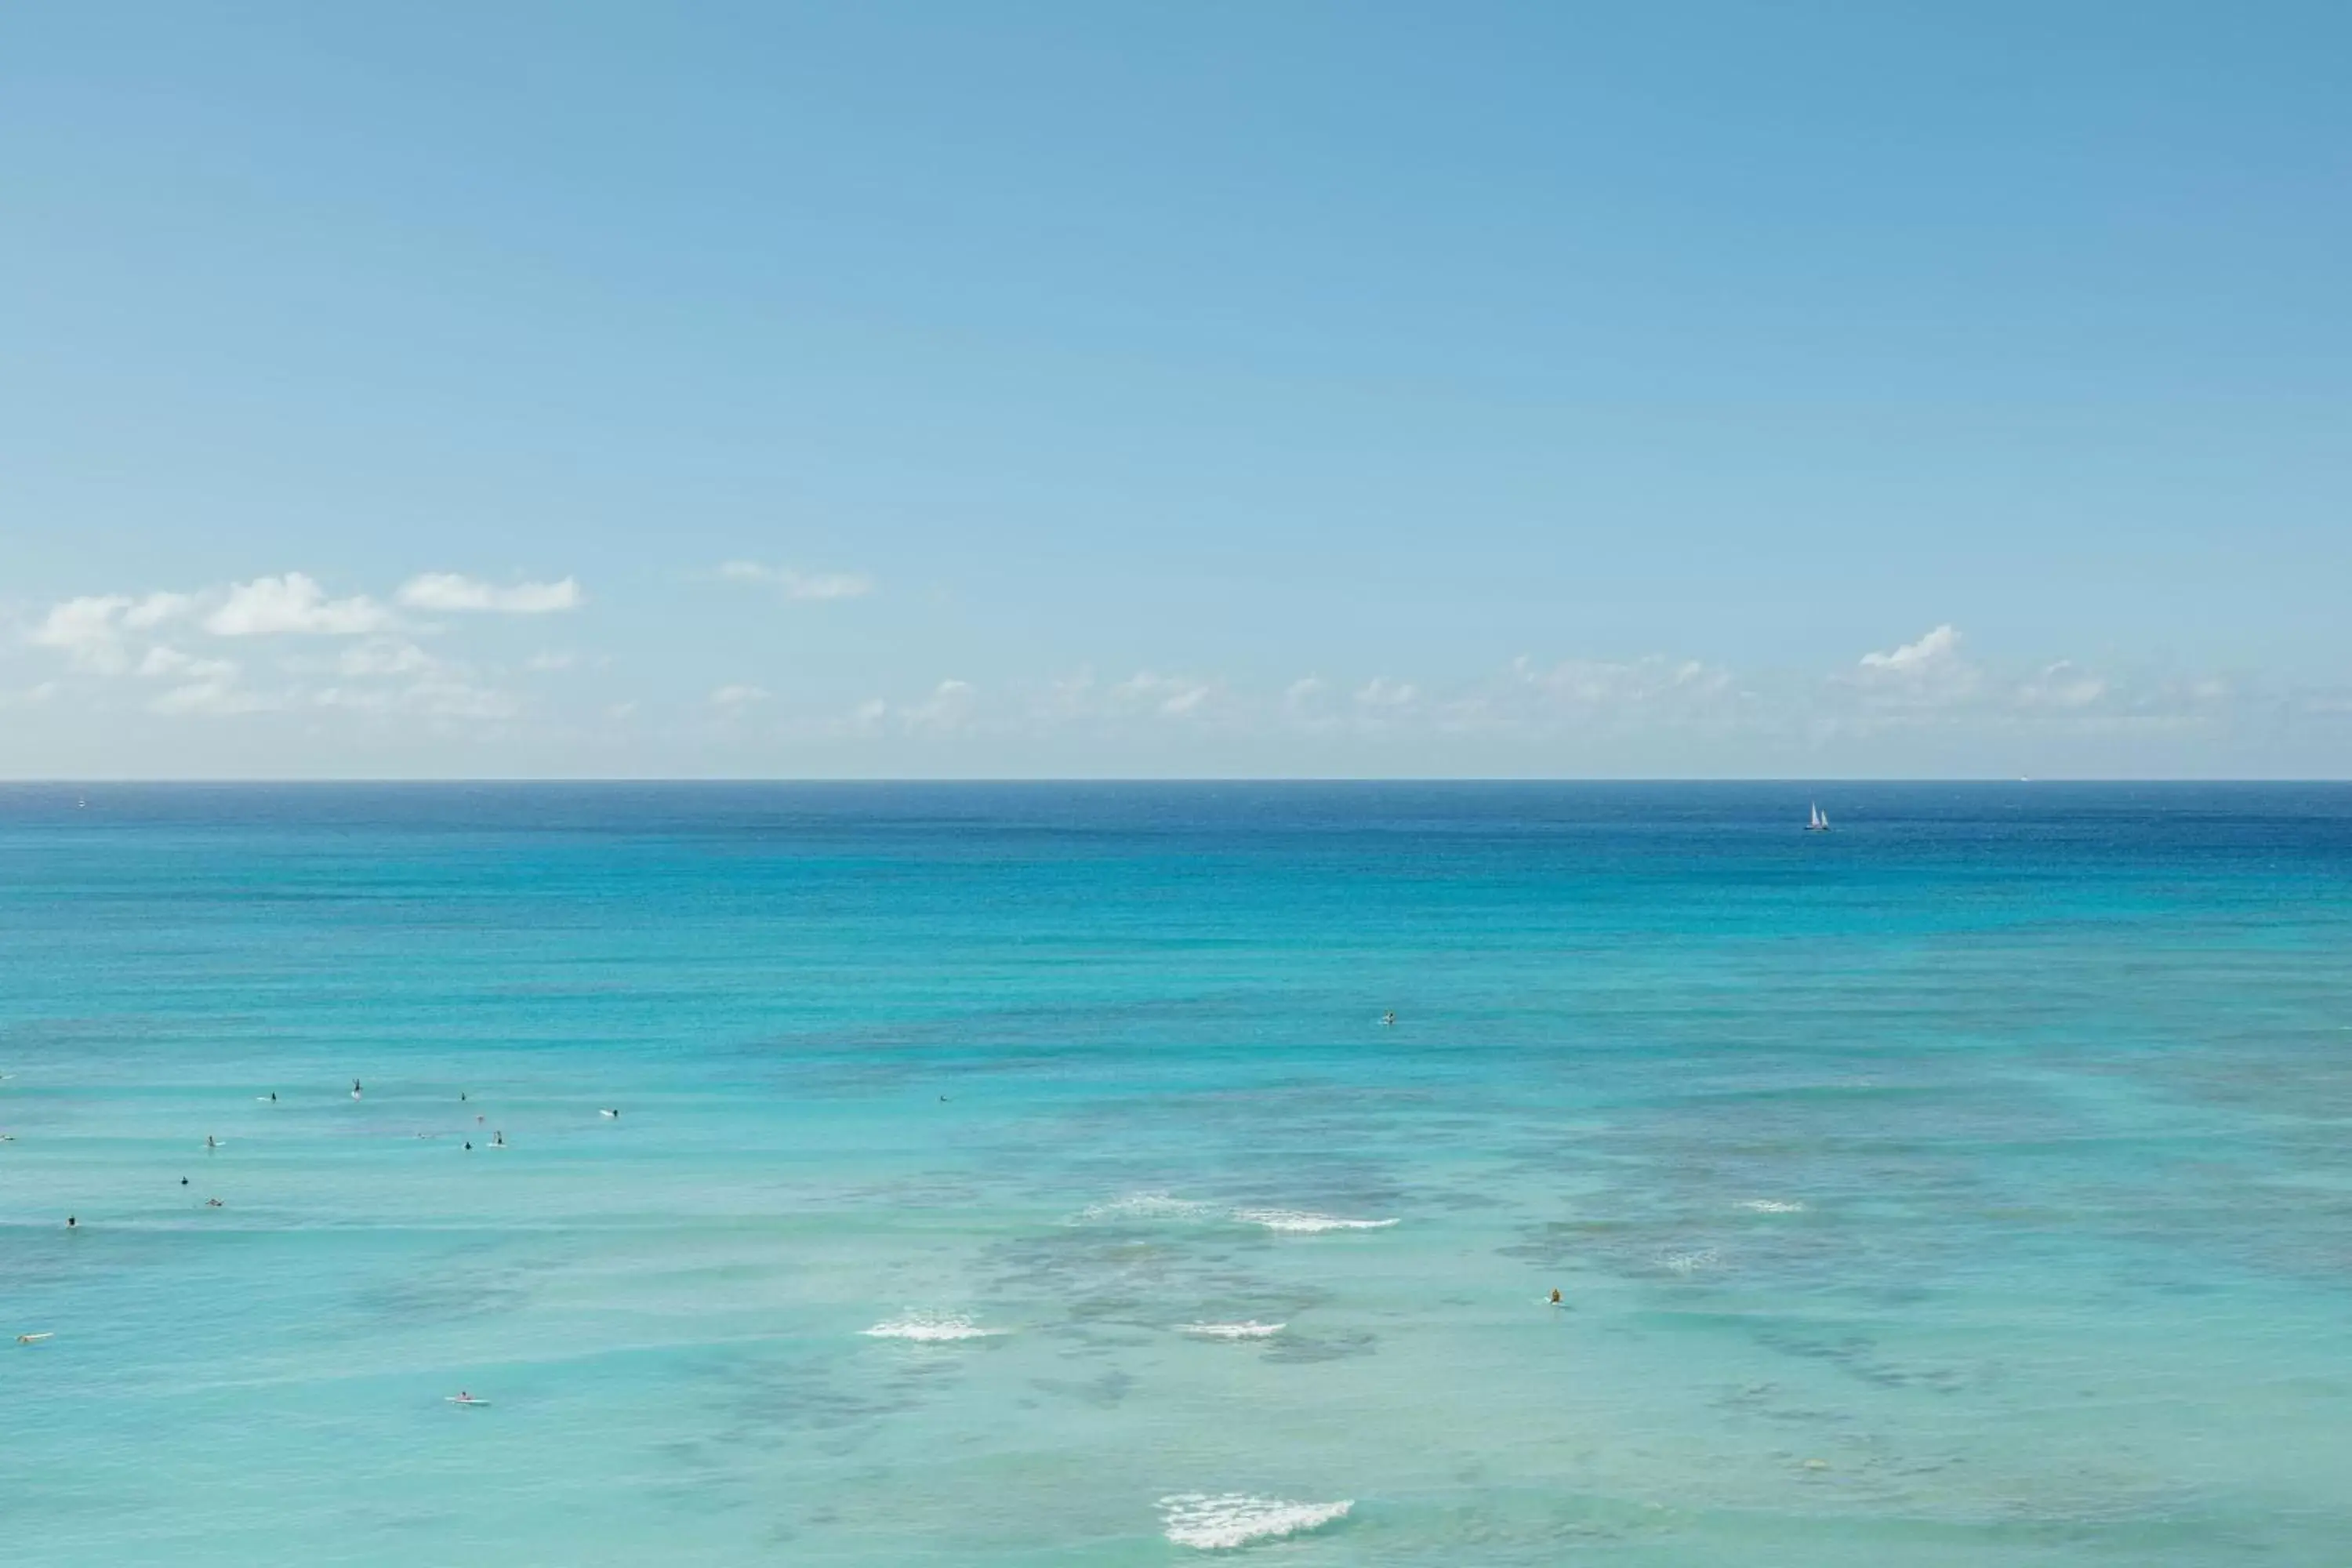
[1026, 1175]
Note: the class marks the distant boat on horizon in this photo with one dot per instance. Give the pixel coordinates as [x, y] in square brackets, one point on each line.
[1820, 823]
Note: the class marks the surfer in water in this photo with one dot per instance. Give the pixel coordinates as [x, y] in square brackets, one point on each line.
[498, 1140]
[355, 1088]
[1555, 1295]
[1389, 1017]
[208, 1141]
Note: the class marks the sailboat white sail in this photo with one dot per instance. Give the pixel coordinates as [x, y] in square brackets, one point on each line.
[1820, 821]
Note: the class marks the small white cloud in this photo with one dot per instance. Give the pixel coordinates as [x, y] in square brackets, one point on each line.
[2062, 685]
[386, 655]
[1380, 692]
[947, 708]
[86, 632]
[797, 584]
[549, 660]
[1172, 696]
[620, 711]
[1938, 647]
[735, 699]
[451, 591]
[295, 603]
[1307, 689]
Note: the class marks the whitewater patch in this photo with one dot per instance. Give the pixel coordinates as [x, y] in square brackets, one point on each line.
[1773, 1205]
[1253, 1329]
[1298, 1222]
[930, 1328]
[1144, 1206]
[1690, 1262]
[1222, 1524]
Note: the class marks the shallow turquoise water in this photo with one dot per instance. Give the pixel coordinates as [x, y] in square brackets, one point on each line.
[1972, 1185]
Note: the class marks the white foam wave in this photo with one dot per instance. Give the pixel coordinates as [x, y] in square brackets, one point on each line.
[1298, 1222]
[1144, 1206]
[1222, 1524]
[1253, 1329]
[930, 1328]
[1690, 1262]
[1774, 1205]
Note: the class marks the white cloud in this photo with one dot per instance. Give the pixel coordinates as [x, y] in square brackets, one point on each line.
[795, 585]
[156, 608]
[164, 660]
[269, 606]
[376, 673]
[1906, 683]
[385, 656]
[2061, 685]
[1171, 696]
[86, 632]
[948, 708]
[89, 630]
[736, 697]
[451, 591]
[548, 660]
[1938, 648]
[1381, 693]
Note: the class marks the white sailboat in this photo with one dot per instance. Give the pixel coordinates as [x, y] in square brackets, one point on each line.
[1820, 823]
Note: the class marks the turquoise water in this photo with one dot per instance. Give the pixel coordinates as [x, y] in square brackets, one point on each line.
[1969, 1186]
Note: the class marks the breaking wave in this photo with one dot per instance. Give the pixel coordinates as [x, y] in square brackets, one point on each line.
[930, 1328]
[1144, 1206]
[1222, 1524]
[1298, 1222]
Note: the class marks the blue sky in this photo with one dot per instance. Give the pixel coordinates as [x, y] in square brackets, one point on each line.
[1094, 389]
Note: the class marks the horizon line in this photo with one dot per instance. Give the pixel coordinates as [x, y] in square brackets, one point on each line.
[106, 781]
